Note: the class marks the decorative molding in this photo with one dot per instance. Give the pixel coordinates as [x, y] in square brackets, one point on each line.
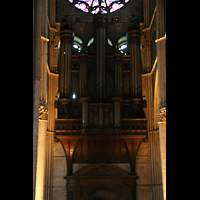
[102, 169]
[161, 114]
[148, 28]
[45, 39]
[43, 113]
[154, 65]
[134, 36]
[162, 38]
[100, 21]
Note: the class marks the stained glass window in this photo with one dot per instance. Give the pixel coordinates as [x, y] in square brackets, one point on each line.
[102, 6]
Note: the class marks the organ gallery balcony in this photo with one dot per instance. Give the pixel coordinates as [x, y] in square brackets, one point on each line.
[73, 128]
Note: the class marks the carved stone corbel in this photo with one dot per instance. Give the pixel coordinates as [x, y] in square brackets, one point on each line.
[161, 114]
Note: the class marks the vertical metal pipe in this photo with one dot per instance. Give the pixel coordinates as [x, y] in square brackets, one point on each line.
[69, 68]
[66, 69]
[61, 74]
[100, 42]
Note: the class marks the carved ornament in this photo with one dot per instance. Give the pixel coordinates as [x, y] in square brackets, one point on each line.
[43, 113]
[102, 170]
[161, 114]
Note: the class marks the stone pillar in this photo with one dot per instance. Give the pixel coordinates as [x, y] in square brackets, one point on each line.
[161, 63]
[100, 23]
[161, 49]
[118, 73]
[36, 79]
[82, 74]
[135, 63]
[43, 80]
[45, 73]
[162, 135]
[85, 106]
[40, 173]
[117, 111]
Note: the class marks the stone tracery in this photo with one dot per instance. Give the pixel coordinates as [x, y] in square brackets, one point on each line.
[96, 6]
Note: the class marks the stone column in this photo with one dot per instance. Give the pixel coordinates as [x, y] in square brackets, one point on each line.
[85, 106]
[161, 49]
[161, 63]
[43, 80]
[40, 173]
[36, 79]
[162, 135]
[100, 23]
[117, 111]
[135, 63]
[45, 73]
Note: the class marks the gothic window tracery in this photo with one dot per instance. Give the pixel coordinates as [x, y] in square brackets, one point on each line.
[102, 6]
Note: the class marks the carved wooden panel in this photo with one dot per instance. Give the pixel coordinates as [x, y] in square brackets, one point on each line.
[91, 84]
[134, 124]
[75, 110]
[108, 115]
[126, 85]
[101, 181]
[129, 111]
[109, 85]
[94, 116]
[107, 150]
[75, 83]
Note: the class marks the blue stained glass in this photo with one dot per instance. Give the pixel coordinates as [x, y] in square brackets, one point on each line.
[93, 6]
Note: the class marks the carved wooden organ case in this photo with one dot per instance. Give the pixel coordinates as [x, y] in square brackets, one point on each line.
[100, 115]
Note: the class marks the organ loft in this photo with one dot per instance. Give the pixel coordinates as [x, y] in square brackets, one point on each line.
[99, 91]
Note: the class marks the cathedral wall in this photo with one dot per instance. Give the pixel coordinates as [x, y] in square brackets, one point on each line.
[142, 170]
[52, 94]
[59, 171]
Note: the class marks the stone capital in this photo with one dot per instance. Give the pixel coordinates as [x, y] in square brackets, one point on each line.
[134, 36]
[66, 36]
[161, 114]
[83, 58]
[83, 99]
[43, 113]
[115, 99]
[100, 20]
